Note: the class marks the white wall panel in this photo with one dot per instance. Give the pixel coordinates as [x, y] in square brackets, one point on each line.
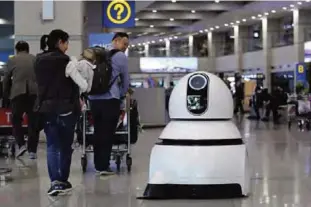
[253, 60]
[227, 63]
[283, 55]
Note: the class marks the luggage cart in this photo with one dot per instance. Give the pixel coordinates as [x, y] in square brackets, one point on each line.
[118, 152]
[7, 141]
[303, 120]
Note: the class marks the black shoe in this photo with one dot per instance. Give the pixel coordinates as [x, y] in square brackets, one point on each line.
[67, 186]
[56, 189]
[106, 172]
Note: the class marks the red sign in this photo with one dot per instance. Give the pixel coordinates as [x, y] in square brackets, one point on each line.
[6, 118]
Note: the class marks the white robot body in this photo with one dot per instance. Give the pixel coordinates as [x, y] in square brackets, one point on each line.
[199, 165]
[201, 153]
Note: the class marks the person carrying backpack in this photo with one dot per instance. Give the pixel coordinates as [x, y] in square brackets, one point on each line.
[109, 88]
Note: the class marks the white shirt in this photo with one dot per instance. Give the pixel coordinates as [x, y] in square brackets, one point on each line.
[81, 72]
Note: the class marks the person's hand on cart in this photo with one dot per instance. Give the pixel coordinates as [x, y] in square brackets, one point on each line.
[83, 105]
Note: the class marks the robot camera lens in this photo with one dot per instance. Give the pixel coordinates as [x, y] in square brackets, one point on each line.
[197, 82]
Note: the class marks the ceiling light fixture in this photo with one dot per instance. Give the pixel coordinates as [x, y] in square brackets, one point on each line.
[259, 15]
[266, 13]
[231, 23]
[152, 41]
[253, 17]
[217, 1]
[171, 19]
[292, 5]
[152, 26]
[201, 31]
[170, 38]
[133, 45]
[284, 8]
[307, 0]
[160, 40]
[193, 11]
[211, 28]
[136, 19]
[154, 11]
[217, 27]
[175, 37]
[206, 30]
[299, 3]
[226, 25]
[139, 44]
[244, 20]
[238, 22]
[173, 1]
[148, 42]
[273, 11]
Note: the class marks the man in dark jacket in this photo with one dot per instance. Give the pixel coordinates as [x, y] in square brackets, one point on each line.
[21, 88]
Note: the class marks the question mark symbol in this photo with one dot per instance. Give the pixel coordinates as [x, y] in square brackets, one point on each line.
[120, 9]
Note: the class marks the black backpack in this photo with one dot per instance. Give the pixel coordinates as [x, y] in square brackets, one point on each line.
[102, 73]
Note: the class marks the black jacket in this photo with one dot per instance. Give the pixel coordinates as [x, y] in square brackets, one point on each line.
[56, 92]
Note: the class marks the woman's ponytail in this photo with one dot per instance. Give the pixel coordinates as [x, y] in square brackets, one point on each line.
[43, 42]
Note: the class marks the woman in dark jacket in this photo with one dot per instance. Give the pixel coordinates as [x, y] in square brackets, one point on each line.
[58, 102]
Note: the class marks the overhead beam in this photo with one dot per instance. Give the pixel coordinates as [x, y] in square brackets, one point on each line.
[161, 23]
[141, 29]
[140, 5]
[175, 15]
[190, 5]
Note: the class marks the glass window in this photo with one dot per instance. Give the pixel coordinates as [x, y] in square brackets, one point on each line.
[137, 51]
[179, 47]
[253, 42]
[225, 43]
[157, 50]
[200, 47]
[284, 34]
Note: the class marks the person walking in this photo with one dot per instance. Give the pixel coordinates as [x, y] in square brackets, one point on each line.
[58, 103]
[21, 88]
[106, 107]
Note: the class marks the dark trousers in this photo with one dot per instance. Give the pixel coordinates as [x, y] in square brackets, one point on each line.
[256, 109]
[105, 115]
[238, 105]
[59, 132]
[274, 108]
[20, 105]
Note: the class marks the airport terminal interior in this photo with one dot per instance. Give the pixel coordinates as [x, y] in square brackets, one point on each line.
[243, 51]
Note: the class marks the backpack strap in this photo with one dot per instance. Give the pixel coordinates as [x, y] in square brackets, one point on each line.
[110, 55]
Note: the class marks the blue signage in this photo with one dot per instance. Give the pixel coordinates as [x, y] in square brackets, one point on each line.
[4, 56]
[301, 74]
[101, 39]
[118, 14]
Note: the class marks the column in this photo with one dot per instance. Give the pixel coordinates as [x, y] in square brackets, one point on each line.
[211, 51]
[190, 45]
[167, 47]
[146, 50]
[269, 26]
[35, 18]
[302, 22]
[240, 35]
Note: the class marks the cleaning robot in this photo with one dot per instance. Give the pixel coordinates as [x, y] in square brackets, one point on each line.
[201, 154]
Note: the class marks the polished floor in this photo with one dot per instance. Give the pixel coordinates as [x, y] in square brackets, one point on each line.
[280, 168]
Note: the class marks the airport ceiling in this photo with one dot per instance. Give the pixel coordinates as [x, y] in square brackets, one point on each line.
[157, 20]
[159, 17]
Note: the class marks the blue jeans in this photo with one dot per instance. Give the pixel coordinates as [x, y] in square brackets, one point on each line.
[59, 132]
